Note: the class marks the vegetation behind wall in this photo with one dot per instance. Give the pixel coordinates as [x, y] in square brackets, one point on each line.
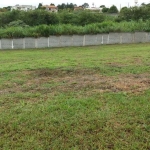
[39, 22]
[68, 29]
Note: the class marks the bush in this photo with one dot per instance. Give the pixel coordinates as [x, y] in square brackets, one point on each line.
[39, 17]
[113, 9]
[68, 29]
[18, 23]
[17, 32]
[87, 17]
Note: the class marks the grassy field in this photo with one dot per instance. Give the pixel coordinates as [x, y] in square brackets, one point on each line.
[75, 98]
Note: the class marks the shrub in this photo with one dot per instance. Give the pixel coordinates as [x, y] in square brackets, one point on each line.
[68, 29]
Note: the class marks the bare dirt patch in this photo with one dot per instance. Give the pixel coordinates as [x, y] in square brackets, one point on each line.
[115, 64]
[88, 81]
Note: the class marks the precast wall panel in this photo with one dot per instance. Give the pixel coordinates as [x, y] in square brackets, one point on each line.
[6, 44]
[114, 38]
[140, 37]
[148, 36]
[42, 42]
[18, 43]
[105, 38]
[78, 40]
[99, 39]
[127, 38]
[30, 43]
[54, 41]
[66, 40]
[90, 40]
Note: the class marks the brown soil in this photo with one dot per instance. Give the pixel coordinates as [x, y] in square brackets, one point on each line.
[54, 81]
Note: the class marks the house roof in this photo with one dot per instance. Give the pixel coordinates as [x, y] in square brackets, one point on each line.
[78, 7]
[93, 8]
[49, 6]
[24, 5]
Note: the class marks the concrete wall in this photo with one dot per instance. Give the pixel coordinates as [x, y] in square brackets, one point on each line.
[66, 40]
[6, 44]
[90, 40]
[140, 37]
[30, 43]
[148, 37]
[75, 40]
[42, 42]
[54, 41]
[127, 38]
[78, 40]
[114, 38]
[105, 38]
[18, 43]
[99, 39]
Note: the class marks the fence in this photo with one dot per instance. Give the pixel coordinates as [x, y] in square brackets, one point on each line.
[75, 40]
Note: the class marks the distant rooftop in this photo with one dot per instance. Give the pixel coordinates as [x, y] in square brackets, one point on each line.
[49, 6]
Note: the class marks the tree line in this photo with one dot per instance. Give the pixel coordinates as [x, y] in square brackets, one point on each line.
[38, 17]
[70, 6]
[135, 13]
[78, 18]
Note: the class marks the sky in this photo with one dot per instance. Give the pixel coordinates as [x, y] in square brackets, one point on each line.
[107, 3]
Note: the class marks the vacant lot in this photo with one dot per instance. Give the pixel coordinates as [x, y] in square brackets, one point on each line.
[75, 98]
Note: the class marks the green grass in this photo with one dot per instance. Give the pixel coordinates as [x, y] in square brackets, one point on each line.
[95, 97]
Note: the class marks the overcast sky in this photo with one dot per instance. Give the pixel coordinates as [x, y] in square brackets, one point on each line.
[97, 3]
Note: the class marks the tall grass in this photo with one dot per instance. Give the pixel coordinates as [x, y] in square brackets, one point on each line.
[68, 29]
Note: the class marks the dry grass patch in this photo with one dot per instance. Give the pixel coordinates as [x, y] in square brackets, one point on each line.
[76, 80]
[47, 81]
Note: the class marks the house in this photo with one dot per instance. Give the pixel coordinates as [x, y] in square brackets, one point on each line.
[78, 8]
[94, 9]
[50, 8]
[23, 7]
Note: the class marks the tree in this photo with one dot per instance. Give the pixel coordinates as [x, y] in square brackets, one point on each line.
[143, 4]
[52, 4]
[135, 13]
[70, 6]
[102, 6]
[17, 23]
[113, 9]
[67, 6]
[8, 8]
[123, 9]
[40, 6]
[85, 5]
[105, 10]
[148, 5]
[3, 10]
[62, 6]
[86, 17]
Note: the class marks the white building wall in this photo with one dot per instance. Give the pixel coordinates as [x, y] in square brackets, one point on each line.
[23, 7]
